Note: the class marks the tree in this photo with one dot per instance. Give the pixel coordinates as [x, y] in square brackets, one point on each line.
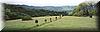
[84, 9]
[26, 18]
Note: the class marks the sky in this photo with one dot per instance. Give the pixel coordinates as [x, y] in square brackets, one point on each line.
[46, 2]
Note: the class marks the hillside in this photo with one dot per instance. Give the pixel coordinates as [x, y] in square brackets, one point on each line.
[60, 8]
[20, 11]
[51, 8]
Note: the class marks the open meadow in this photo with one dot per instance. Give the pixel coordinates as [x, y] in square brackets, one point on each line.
[66, 23]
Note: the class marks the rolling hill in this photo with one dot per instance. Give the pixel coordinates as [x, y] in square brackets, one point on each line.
[51, 8]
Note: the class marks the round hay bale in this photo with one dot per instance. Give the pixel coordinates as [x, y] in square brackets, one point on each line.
[45, 20]
[50, 19]
[36, 21]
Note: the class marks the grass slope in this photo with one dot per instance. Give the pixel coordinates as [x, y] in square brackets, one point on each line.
[71, 23]
[66, 23]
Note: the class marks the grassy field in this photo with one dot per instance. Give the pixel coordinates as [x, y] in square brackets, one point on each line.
[66, 23]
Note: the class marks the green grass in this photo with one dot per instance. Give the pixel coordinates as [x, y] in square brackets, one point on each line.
[20, 25]
[71, 22]
[67, 22]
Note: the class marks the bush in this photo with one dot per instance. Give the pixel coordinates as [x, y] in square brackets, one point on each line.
[26, 18]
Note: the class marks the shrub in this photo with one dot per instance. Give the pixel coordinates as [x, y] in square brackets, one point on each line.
[26, 18]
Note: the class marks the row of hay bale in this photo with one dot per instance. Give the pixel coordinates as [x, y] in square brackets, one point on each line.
[48, 20]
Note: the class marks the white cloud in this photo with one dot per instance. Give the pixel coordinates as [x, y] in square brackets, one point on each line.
[46, 2]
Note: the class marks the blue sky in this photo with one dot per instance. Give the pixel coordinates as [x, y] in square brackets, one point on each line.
[46, 2]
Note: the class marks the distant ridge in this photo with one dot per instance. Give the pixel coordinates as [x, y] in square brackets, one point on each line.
[51, 8]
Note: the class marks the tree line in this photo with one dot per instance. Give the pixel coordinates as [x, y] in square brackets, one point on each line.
[14, 12]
